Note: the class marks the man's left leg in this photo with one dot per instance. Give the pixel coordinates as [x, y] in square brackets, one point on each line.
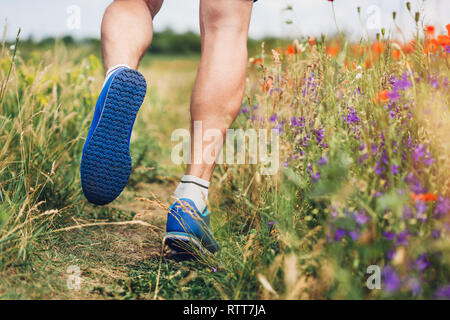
[216, 100]
[127, 31]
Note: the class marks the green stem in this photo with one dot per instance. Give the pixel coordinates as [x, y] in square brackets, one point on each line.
[334, 16]
[3, 89]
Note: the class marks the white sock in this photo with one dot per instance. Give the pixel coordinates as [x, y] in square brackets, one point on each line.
[112, 69]
[195, 189]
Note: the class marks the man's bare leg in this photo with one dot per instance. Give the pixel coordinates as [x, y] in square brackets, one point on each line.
[106, 162]
[216, 100]
[127, 31]
[218, 90]
[220, 83]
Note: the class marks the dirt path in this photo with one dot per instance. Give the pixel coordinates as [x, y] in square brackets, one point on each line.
[107, 255]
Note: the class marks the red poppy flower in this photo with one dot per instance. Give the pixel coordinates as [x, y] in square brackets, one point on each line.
[257, 61]
[443, 40]
[427, 197]
[332, 50]
[378, 47]
[396, 54]
[430, 30]
[382, 96]
[290, 50]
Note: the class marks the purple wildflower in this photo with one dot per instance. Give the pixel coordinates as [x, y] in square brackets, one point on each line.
[316, 176]
[435, 83]
[407, 213]
[436, 233]
[402, 238]
[361, 218]
[319, 135]
[278, 128]
[353, 234]
[389, 235]
[374, 148]
[422, 263]
[273, 118]
[391, 254]
[362, 147]
[421, 153]
[393, 95]
[334, 212]
[394, 169]
[340, 233]
[379, 169]
[391, 279]
[403, 83]
[322, 161]
[352, 116]
[363, 158]
[443, 292]
[271, 223]
[414, 184]
[421, 207]
[442, 206]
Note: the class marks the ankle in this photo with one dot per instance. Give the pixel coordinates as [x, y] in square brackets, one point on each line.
[200, 172]
[195, 189]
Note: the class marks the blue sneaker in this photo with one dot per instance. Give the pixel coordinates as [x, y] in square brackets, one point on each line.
[188, 230]
[106, 162]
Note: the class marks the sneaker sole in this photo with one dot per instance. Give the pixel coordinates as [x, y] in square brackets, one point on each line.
[106, 162]
[184, 243]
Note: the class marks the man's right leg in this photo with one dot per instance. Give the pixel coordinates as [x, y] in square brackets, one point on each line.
[216, 100]
[127, 31]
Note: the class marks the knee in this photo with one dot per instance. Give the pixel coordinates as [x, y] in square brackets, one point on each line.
[218, 20]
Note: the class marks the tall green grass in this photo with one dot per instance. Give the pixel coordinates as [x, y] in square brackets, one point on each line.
[44, 102]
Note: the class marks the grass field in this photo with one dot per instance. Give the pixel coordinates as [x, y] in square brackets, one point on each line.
[364, 178]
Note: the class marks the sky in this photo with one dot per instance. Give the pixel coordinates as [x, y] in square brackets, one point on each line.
[82, 18]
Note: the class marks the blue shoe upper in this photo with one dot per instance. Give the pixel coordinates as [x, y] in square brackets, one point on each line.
[185, 218]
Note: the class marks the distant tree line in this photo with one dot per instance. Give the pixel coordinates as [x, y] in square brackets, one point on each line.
[164, 42]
